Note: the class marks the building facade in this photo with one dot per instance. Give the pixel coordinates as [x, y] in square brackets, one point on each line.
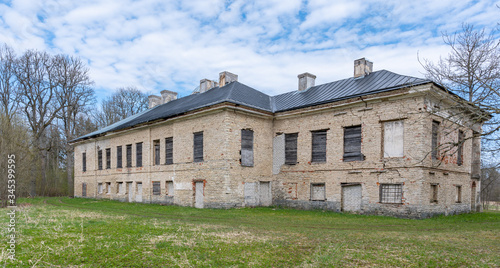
[376, 143]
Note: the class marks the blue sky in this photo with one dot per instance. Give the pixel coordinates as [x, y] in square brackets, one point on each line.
[155, 45]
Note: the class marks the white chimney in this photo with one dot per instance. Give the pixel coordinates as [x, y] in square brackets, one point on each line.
[226, 78]
[306, 80]
[167, 95]
[154, 101]
[362, 67]
[207, 84]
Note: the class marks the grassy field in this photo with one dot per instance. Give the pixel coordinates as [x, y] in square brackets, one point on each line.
[64, 232]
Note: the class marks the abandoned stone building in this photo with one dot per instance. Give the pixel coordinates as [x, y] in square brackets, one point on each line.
[372, 144]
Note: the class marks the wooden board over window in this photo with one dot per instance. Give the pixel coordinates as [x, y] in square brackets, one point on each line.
[198, 147]
[138, 154]
[291, 148]
[247, 147]
[318, 146]
[169, 151]
[352, 144]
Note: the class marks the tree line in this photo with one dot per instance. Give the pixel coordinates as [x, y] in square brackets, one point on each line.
[45, 101]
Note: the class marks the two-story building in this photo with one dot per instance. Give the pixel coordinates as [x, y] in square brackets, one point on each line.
[375, 143]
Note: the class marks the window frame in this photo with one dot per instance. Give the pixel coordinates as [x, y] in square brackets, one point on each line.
[108, 158]
[156, 187]
[349, 138]
[460, 149]
[435, 140]
[99, 159]
[385, 142]
[169, 151]
[156, 152]
[318, 184]
[128, 152]
[319, 155]
[387, 186]
[291, 144]
[84, 162]
[198, 155]
[119, 157]
[246, 149]
[169, 188]
[138, 154]
[434, 193]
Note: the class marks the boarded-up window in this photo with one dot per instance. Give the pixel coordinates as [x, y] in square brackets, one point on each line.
[169, 151]
[391, 193]
[170, 188]
[318, 192]
[84, 162]
[129, 155]
[460, 150]
[84, 189]
[108, 187]
[352, 144]
[99, 188]
[435, 136]
[99, 159]
[138, 154]
[291, 148]
[119, 157]
[434, 192]
[393, 139]
[156, 146]
[458, 196]
[318, 146]
[247, 148]
[121, 189]
[156, 188]
[198, 147]
[108, 158]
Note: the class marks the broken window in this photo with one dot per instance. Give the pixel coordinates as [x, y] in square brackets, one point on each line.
[198, 147]
[99, 188]
[435, 137]
[318, 146]
[169, 151]
[118, 157]
[99, 159]
[84, 162]
[138, 154]
[169, 185]
[352, 144]
[291, 148]
[391, 193]
[434, 192]
[458, 196]
[108, 158]
[393, 138]
[156, 188]
[460, 150]
[318, 192]
[129, 155]
[156, 146]
[84, 189]
[247, 147]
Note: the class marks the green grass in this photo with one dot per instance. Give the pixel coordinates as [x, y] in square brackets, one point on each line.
[62, 232]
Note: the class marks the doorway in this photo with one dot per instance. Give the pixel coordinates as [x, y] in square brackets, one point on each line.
[198, 194]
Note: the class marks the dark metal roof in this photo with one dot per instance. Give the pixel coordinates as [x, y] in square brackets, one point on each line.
[238, 93]
[376, 82]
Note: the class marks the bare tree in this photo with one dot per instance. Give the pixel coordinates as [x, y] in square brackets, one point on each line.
[490, 185]
[122, 104]
[8, 83]
[472, 71]
[74, 98]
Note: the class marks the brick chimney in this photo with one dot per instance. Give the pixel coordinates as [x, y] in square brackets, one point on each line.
[306, 80]
[207, 84]
[154, 101]
[226, 78]
[167, 95]
[362, 67]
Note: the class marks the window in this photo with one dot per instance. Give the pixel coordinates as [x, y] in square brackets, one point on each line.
[121, 189]
[169, 151]
[435, 137]
[99, 159]
[391, 193]
[119, 157]
[156, 147]
[318, 192]
[318, 146]
[84, 189]
[291, 148]
[198, 147]
[99, 188]
[108, 187]
[460, 150]
[434, 192]
[458, 196]
[138, 154]
[156, 188]
[84, 162]
[129, 155]
[170, 188]
[108, 158]
[246, 148]
[352, 144]
[393, 138]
